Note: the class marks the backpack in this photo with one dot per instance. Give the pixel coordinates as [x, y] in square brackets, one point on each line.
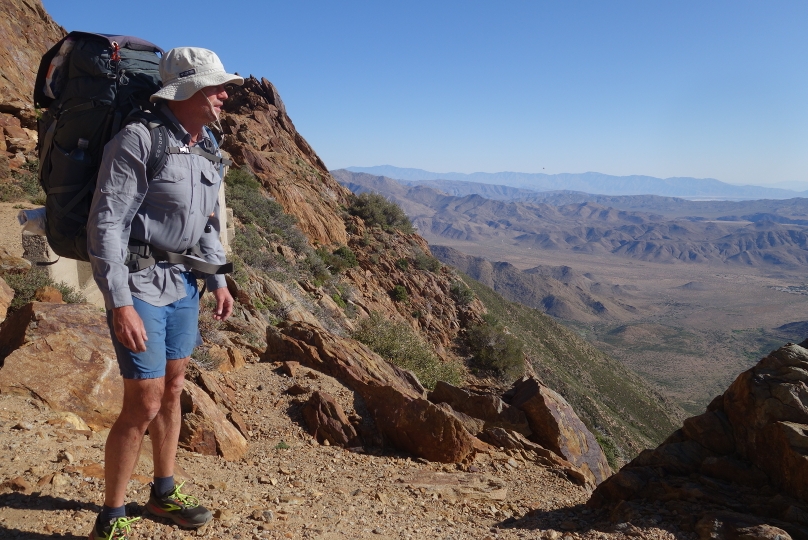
[89, 86]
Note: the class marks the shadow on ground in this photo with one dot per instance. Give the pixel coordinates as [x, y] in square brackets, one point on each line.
[35, 501]
[580, 519]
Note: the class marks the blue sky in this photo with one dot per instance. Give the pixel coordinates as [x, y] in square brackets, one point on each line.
[707, 89]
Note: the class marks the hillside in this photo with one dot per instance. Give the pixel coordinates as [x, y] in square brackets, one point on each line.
[559, 291]
[302, 366]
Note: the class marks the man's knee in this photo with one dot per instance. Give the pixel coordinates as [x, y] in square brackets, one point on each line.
[142, 401]
[175, 378]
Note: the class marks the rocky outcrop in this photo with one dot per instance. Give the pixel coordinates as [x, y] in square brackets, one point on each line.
[62, 355]
[26, 31]
[747, 454]
[487, 407]
[11, 264]
[261, 136]
[394, 397]
[26, 24]
[326, 421]
[556, 426]
[205, 428]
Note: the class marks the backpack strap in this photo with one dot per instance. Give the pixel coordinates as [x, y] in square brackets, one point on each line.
[142, 255]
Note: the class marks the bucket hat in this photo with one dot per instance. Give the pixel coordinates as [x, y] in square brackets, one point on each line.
[186, 70]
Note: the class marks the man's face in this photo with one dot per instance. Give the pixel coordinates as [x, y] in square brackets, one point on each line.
[208, 102]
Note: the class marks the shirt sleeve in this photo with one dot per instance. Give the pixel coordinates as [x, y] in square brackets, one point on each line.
[211, 248]
[121, 187]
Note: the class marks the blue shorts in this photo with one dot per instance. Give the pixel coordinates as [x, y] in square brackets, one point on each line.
[173, 332]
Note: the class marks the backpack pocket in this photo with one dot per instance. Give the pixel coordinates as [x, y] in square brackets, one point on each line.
[70, 189]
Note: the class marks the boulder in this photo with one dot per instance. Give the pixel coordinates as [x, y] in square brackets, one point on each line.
[48, 294]
[748, 453]
[394, 397]
[205, 428]
[62, 354]
[556, 426]
[487, 407]
[326, 421]
[11, 264]
[767, 407]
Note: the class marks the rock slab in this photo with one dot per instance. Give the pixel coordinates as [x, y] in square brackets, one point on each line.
[746, 456]
[62, 355]
[327, 421]
[205, 428]
[395, 398]
[556, 426]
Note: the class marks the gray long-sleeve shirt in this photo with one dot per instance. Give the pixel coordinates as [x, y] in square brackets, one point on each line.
[169, 212]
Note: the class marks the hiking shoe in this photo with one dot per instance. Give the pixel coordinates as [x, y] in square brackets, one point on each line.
[116, 529]
[182, 509]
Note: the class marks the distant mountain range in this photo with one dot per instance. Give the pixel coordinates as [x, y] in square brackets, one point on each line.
[595, 183]
[750, 234]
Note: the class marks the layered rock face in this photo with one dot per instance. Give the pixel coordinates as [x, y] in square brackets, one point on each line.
[747, 454]
[22, 22]
[260, 135]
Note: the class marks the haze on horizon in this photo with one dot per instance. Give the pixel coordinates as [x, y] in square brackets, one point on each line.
[686, 89]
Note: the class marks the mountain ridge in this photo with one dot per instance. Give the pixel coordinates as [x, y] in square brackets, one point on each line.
[594, 182]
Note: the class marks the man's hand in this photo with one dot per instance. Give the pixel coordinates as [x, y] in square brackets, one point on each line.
[224, 304]
[129, 328]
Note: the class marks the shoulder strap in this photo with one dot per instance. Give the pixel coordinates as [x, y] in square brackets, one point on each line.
[157, 124]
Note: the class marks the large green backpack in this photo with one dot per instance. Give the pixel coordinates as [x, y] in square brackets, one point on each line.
[88, 87]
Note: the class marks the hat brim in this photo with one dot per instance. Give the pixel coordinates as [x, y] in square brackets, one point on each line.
[182, 89]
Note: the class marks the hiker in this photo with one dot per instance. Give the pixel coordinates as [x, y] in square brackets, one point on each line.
[153, 311]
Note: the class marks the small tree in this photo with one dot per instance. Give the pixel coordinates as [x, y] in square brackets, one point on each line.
[399, 293]
[375, 209]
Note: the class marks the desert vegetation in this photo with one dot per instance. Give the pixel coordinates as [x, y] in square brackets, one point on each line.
[399, 344]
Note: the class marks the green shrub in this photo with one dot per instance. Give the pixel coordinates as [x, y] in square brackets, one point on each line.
[398, 343]
[399, 293]
[24, 185]
[461, 293]
[241, 177]
[609, 450]
[493, 349]
[26, 284]
[339, 259]
[282, 446]
[339, 301]
[376, 210]
[252, 248]
[426, 262]
[251, 206]
[403, 264]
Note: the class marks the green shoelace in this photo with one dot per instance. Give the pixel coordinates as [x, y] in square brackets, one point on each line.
[121, 527]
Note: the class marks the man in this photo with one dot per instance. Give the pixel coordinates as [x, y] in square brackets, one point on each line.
[153, 312]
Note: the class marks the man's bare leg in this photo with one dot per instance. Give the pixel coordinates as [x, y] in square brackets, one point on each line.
[141, 403]
[164, 429]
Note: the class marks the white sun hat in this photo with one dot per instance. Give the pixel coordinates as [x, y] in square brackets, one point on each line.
[186, 70]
